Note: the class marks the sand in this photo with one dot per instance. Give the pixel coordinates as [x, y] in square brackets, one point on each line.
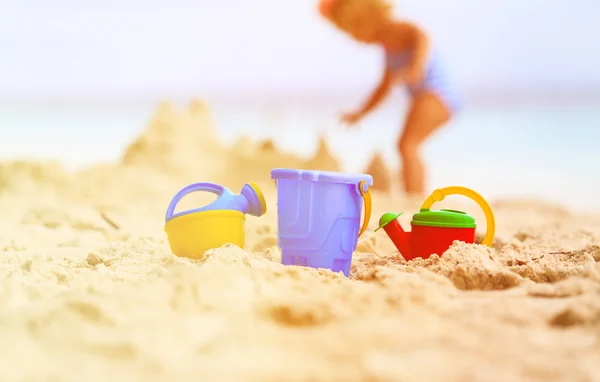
[90, 291]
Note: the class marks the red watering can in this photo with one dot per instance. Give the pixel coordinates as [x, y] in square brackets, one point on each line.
[434, 231]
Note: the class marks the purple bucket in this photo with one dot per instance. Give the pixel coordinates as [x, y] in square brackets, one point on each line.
[319, 215]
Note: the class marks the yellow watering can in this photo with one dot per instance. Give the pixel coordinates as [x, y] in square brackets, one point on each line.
[191, 233]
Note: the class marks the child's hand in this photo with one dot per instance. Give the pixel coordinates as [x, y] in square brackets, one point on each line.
[351, 118]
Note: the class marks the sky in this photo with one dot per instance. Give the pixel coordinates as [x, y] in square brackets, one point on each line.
[135, 48]
[141, 51]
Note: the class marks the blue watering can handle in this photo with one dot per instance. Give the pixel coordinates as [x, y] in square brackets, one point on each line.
[208, 187]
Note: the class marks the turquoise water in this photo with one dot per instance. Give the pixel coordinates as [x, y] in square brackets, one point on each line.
[546, 152]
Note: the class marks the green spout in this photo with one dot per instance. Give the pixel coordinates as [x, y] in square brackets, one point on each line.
[387, 218]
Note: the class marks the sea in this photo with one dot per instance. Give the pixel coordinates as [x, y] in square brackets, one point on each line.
[546, 152]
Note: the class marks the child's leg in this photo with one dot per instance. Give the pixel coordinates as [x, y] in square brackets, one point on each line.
[427, 113]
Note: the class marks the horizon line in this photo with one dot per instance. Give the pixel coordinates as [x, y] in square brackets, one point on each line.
[591, 97]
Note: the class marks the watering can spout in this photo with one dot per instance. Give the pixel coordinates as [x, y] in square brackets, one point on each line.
[252, 200]
[401, 239]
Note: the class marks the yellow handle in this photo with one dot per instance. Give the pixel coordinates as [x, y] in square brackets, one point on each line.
[439, 195]
[367, 200]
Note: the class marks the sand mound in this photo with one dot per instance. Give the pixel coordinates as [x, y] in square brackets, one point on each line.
[382, 179]
[257, 159]
[323, 159]
[184, 143]
[89, 290]
[175, 136]
[30, 177]
[267, 146]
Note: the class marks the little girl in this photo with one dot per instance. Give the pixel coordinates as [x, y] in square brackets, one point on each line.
[409, 59]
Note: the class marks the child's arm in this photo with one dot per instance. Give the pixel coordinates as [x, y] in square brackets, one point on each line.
[374, 99]
[379, 94]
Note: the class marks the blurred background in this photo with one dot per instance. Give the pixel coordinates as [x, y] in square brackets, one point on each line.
[79, 81]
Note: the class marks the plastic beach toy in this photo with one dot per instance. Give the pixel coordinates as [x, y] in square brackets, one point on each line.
[319, 216]
[434, 231]
[193, 232]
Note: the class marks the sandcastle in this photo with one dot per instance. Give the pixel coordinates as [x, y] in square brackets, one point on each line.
[382, 179]
[323, 159]
[173, 137]
[185, 142]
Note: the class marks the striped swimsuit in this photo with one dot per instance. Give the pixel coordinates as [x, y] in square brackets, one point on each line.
[436, 79]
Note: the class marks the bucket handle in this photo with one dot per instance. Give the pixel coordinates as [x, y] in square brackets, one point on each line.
[203, 186]
[366, 195]
[439, 195]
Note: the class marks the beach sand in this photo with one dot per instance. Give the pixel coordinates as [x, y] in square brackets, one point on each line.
[91, 292]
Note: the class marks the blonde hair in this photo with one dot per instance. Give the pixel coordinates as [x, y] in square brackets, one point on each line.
[350, 15]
